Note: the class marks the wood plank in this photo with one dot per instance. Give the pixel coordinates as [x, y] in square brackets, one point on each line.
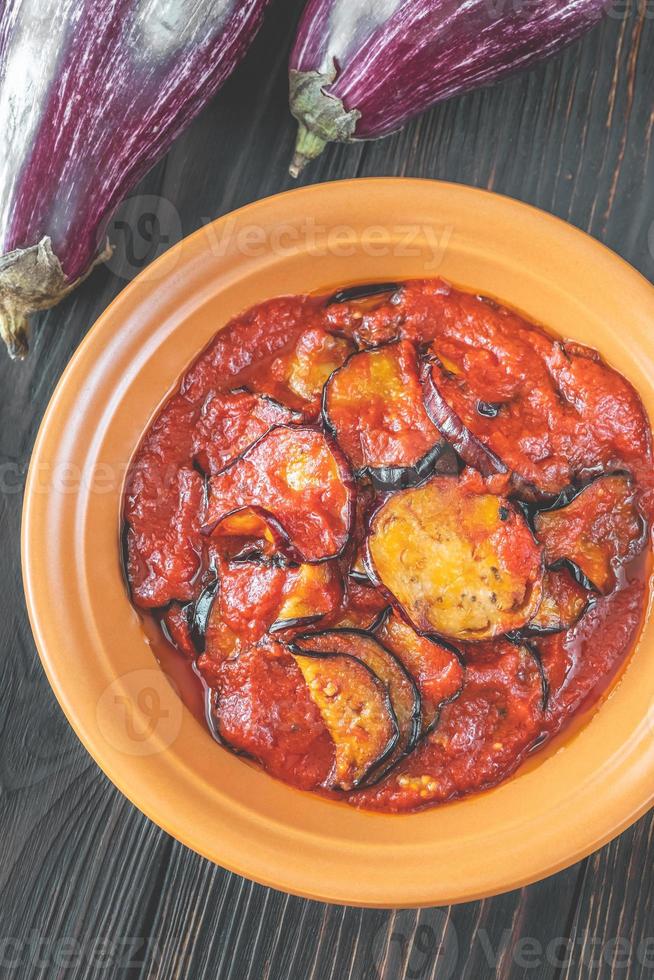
[78, 864]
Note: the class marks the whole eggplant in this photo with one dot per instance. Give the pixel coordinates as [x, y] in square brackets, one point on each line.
[91, 96]
[360, 69]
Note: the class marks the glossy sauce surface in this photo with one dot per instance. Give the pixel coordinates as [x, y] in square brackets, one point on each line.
[550, 416]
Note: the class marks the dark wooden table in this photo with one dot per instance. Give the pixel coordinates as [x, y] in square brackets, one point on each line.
[89, 886]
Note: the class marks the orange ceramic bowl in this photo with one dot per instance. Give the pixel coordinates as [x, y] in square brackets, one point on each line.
[569, 800]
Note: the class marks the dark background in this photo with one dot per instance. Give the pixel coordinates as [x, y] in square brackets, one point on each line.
[89, 887]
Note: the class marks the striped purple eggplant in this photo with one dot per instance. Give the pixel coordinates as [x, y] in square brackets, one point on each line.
[91, 96]
[360, 69]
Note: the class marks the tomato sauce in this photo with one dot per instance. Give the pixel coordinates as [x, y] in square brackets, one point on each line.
[246, 527]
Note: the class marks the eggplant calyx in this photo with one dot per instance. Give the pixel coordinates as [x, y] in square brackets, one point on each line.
[32, 279]
[322, 117]
[14, 330]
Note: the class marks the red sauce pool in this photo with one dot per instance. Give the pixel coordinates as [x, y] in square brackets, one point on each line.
[552, 413]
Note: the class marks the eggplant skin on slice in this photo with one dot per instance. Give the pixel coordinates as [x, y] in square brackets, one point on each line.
[362, 291]
[300, 374]
[364, 608]
[230, 421]
[563, 604]
[356, 710]
[297, 475]
[455, 560]
[311, 592]
[481, 736]
[437, 668]
[237, 609]
[594, 530]
[259, 706]
[472, 450]
[373, 406]
[402, 689]
[200, 612]
[264, 532]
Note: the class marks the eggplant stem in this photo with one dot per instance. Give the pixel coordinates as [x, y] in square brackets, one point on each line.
[14, 329]
[308, 146]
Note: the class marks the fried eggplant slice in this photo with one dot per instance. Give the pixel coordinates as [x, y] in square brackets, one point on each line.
[577, 666]
[438, 670]
[356, 709]
[596, 532]
[457, 561]
[558, 662]
[563, 603]
[260, 706]
[298, 376]
[402, 689]
[362, 291]
[559, 413]
[297, 476]
[365, 505]
[317, 355]
[237, 609]
[354, 312]
[258, 595]
[481, 737]
[374, 407]
[363, 608]
[472, 450]
[176, 626]
[311, 592]
[230, 421]
[254, 529]
[250, 595]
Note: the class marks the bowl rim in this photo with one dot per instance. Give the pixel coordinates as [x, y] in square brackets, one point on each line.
[631, 796]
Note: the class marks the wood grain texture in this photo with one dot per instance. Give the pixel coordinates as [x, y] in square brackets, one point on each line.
[88, 887]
